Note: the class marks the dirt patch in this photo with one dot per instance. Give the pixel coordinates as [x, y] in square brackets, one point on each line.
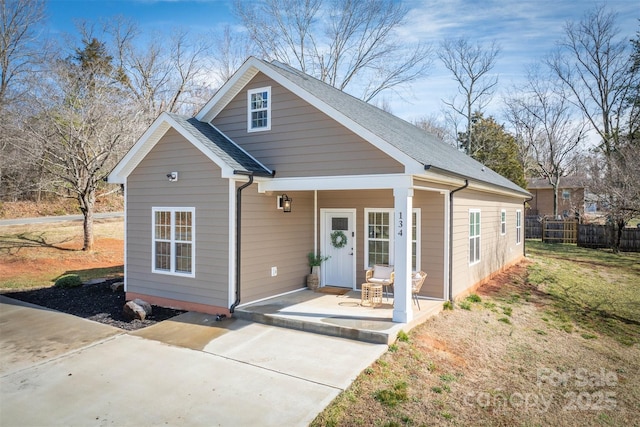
[56, 207]
[35, 256]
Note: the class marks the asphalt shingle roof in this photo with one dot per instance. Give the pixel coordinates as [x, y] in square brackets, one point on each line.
[221, 146]
[413, 141]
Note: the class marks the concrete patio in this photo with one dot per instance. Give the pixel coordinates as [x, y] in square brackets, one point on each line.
[336, 315]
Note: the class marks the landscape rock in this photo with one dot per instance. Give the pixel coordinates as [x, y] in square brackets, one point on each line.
[145, 305]
[93, 281]
[117, 286]
[133, 311]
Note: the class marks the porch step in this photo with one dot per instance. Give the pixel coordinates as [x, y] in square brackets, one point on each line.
[375, 337]
[335, 315]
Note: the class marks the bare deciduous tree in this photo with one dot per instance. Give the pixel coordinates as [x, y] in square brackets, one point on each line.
[432, 125]
[471, 66]
[21, 46]
[22, 51]
[547, 126]
[82, 125]
[593, 63]
[351, 45]
[160, 74]
[596, 65]
[232, 49]
[617, 185]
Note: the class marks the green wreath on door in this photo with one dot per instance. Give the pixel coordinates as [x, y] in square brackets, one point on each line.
[338, 239]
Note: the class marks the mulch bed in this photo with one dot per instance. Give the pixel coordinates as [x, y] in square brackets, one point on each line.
[94, 302]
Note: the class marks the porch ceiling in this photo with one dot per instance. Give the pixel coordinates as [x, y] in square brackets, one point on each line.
[343, 182]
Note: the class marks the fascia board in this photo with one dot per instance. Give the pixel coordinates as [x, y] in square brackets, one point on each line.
[487, 188]
[241, 149]
[229, 90]
[432, 174]
[342, 182]
[410, 164]
[150, 138]
[227, 170]
[139, 150]
[252, 66]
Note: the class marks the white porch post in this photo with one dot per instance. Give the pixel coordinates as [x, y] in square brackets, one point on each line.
[403, 204]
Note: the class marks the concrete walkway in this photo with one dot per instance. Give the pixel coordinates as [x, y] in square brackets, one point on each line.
[57, 369]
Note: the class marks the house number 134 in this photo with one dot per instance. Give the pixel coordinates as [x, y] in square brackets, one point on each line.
[400, 224]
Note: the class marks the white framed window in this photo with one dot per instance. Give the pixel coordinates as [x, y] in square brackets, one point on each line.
[259, 109]
[173, 241]
[503, 222]
[474, 236]
[518, 226]
[379, 240]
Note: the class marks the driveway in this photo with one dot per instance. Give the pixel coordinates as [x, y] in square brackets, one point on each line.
[57, 369]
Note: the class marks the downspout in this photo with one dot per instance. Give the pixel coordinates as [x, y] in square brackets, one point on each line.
[524, 218]
[238, 235]
[466, 184]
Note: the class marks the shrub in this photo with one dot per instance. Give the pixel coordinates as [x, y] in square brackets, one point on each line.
[403, 336]
[474, 298]
[392, 397]
[68, 281]
[465, 305]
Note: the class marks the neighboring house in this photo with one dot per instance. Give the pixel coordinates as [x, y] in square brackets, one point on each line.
[205, 224]
[571, 200]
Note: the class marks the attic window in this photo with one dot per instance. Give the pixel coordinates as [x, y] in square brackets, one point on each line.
[259, 109]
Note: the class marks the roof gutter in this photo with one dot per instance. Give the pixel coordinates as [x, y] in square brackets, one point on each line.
[524, 218]
[466, 178]
[466, 184]
[238, 234]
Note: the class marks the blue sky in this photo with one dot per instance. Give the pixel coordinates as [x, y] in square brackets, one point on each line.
[525, 29]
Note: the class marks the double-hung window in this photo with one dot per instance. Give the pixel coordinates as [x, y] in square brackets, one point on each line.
[259, 109]
[173, 247]
[474, 236]
[518, 227]
[503, 222]
[379, 242]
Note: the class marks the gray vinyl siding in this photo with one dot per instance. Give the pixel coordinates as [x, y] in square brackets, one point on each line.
[496, 250]
[431, 205]
[199, 186]
[272, 238]
[302, 141]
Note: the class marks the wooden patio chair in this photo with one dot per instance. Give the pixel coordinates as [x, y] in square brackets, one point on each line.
[381, 275]
[417, 281]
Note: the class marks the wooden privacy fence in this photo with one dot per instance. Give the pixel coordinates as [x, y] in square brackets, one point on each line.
[601, 236]
[532, 227]
[560, 231]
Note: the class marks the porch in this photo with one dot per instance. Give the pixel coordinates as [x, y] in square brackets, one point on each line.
[340, 315]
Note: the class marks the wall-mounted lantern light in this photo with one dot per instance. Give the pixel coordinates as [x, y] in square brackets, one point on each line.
[286, 203]
[172, 176]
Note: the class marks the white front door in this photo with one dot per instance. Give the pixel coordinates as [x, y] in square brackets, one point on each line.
[337, 241]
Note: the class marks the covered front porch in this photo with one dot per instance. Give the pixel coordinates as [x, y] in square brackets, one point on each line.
[336, 314]
[389, 220]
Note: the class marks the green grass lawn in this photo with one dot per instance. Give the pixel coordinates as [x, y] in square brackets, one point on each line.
[556, 342]
[593, 288]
